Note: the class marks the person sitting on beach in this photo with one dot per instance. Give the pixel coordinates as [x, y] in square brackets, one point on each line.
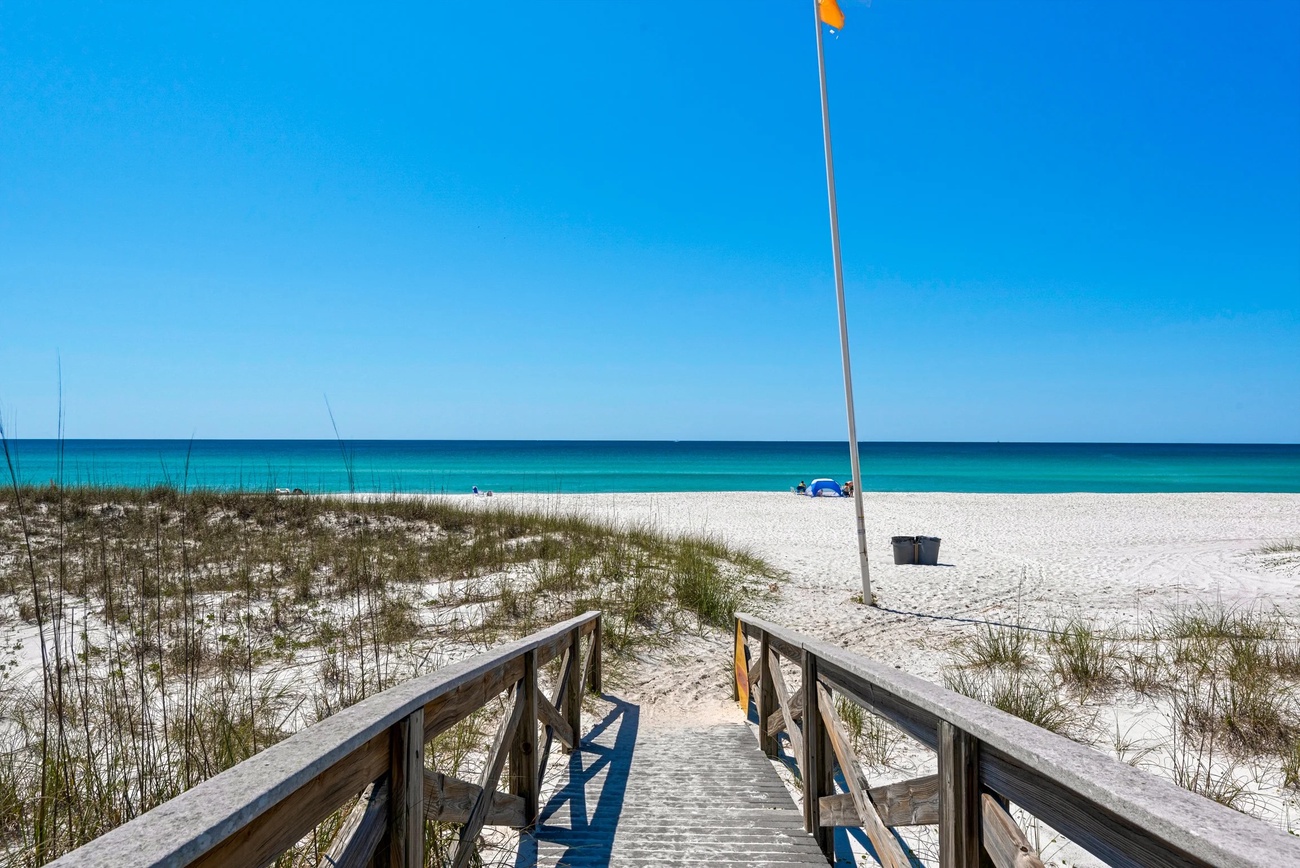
[473, 489]
[803, 487]
[848, 488]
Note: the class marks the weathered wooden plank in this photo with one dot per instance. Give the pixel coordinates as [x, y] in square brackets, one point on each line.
[888, 850]
[782, 697]
[766, 699]
[557, 695]
[240, 815]
[756, 668]
[596, 683]
[550, 716]
[587, 663]
[450, 800]
[906, 803]
[444, 712]
[355, 842]
[1122, 815]
[839, 809]
[488, 781]
[523, 747]
[1006, 844]
[562, 685]
[571, 706]
[270, 834]
[406, 793]
[913, 802]
[777, 720]
[959, 817]
[819, 778]
[792, 651]
[913, 721]
[1116, 840]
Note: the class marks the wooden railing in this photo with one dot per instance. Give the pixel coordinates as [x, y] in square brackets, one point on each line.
[987, 760]
[250, 814]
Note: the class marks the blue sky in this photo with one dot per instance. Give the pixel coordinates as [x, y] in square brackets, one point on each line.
[1061, 221]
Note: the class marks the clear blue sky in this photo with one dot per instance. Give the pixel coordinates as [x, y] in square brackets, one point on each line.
[1061, 221]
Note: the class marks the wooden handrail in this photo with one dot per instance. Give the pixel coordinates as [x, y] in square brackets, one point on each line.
[1121, 814]
[249, 814]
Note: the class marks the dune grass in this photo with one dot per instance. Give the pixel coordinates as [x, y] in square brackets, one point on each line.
[1281, 547]
[182, 632]
[1226, 683]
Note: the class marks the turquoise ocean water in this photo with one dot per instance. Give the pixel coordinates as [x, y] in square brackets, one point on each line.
[587, 466]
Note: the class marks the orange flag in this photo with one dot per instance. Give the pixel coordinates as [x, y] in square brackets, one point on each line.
[830, 13]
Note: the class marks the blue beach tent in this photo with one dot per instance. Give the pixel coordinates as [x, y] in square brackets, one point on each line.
[827, 485]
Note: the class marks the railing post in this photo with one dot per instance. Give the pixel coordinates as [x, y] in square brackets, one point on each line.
[573, 687]
[406, 792]
[766, 697]
[523, 747]
[959, 802]
[818, 780]
[597, 640]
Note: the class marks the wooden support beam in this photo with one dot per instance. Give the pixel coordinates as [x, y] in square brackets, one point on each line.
[587, 663]
[444, 712]
[783, 698]
[766, 698]
[550, 716]
[561, 686]
[488, 781]
[887, 847]
[913, 802]
[788, 650]
[959, 811]
[557, 696]
[406, 793]
[778, 722]
[819, 779]
[572, 703]
[594, 684]
[450, 800]
[275, 830]
[357, 839]
[523, 747]
[1007, 846]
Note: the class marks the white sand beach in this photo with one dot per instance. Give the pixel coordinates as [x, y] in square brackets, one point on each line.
[1020, 558]
[1116, 560]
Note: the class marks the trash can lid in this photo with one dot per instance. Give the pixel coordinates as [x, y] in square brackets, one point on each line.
[902, 539]
[927, 539]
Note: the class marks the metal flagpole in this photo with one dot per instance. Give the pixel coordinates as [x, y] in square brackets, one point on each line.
[867, 597]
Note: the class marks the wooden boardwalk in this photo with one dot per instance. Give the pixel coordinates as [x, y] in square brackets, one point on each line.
[696, 795]
[690, 791]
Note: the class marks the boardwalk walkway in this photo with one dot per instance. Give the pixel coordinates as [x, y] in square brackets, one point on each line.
[695, 795]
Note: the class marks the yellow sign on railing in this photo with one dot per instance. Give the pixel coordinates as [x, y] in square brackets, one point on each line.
[742, 670]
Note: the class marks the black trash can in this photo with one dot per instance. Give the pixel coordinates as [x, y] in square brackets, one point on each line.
[904, 549]
[928, 550]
